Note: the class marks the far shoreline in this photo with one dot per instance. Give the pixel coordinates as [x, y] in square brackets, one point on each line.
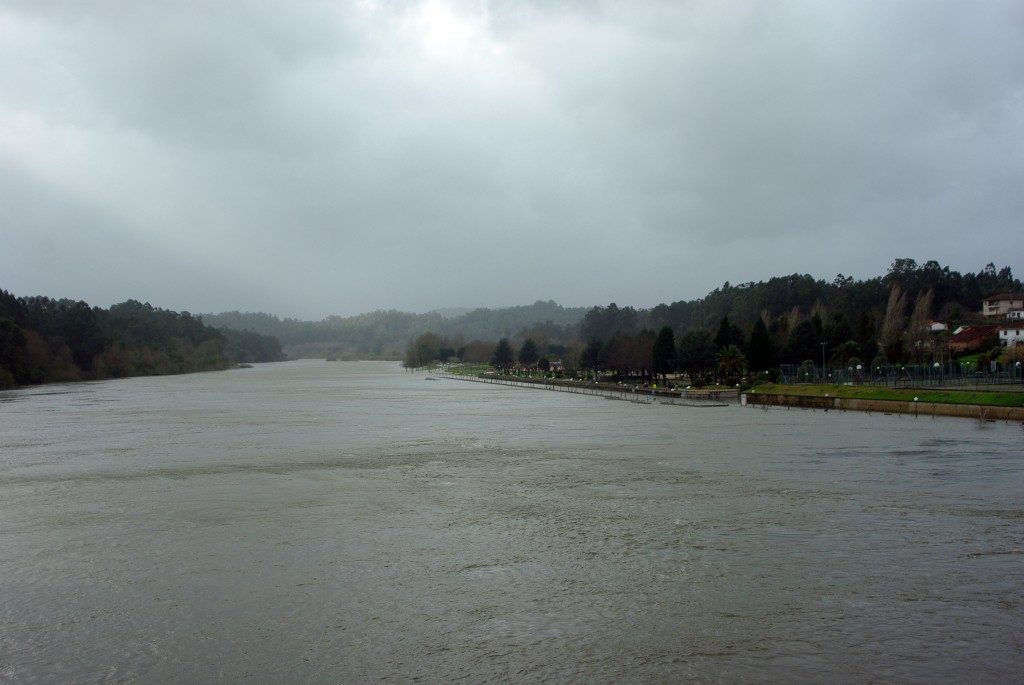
[981, 405]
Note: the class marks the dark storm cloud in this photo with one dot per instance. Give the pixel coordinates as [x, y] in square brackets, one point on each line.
[320, 157]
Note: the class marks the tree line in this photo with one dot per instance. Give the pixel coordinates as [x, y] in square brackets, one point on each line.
[823, 310]
[751, 328]
[45, 340]
[385, 334]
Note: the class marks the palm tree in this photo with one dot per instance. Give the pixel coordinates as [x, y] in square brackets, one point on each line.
[731, 360]
[845, 353]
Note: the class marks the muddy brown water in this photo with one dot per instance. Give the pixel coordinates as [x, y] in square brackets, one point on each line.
[324, 522]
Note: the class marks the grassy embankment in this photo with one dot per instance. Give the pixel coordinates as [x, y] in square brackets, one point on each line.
[465, 369]
[870, 392]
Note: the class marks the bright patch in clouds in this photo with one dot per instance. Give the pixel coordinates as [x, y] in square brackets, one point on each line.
[448, 33]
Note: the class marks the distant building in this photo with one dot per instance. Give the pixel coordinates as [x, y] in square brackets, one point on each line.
[936, 326]
[1012, 333]
[1002, 305]
[969, 338]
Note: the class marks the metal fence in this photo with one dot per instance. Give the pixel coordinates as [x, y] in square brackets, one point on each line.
[951, 374]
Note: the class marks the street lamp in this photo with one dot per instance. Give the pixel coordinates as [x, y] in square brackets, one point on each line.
[823, 361]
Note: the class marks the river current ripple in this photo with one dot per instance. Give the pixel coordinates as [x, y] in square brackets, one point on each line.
[348, 522]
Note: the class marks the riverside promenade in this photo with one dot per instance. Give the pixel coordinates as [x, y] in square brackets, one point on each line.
[715, 396]
[979, 412]
[718, 396]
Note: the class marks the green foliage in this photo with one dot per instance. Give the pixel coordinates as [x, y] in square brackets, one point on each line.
[70, 322]
[729, 334]
[385, 334]
[66, 340]
[663, 356]
[528, 353]
[629, 354]
[731, 360]
[837, 331]
[760, 350]
[846, 353]
[603, 323]
[247, 347]
[503, 355]
[782, 302]
[778, 297]
[804, 343]
[424, 350]
[14, 358]
[696, 354]
[592, 355]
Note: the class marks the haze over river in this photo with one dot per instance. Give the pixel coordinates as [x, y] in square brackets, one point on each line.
[348, 522]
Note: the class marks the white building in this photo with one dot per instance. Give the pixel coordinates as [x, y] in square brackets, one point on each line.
[1012, 333]
[1001, 305]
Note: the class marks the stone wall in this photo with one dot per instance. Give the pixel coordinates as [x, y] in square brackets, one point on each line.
[972, 411]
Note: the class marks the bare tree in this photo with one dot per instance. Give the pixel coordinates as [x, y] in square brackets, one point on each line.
[820, 309]
[920, 319]
[892, 325]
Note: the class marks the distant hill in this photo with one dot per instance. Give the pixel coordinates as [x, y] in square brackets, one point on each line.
[787, 319]
[384, 334]
[844, 305]
[451, 312]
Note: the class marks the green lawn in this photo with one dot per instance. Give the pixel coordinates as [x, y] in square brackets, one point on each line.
[471, 370]
[870, 392]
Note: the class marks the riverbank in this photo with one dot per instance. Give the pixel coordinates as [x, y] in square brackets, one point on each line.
[977, 404]
[980, 405]
[703, 396]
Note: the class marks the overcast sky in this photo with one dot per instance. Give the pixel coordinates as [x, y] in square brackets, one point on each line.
[320, 157]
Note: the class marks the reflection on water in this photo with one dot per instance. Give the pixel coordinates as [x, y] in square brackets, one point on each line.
[347, 522]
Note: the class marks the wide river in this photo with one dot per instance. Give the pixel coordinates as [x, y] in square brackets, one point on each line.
[315, 522]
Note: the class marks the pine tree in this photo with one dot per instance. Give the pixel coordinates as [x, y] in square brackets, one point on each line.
[528, 354]
[664, 352]
[760, 354]
[503, 356]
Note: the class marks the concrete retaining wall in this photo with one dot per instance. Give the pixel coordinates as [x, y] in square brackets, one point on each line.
[972, 411]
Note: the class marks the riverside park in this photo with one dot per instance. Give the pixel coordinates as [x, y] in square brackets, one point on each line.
[917, 392]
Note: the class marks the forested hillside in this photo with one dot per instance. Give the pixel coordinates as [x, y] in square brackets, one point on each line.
[751, 326]
[796, 314]
[44, 340]
[955, 298]
[788, 320]
[385, 334]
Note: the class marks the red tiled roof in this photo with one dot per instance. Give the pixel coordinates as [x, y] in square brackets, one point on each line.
[973, 333]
